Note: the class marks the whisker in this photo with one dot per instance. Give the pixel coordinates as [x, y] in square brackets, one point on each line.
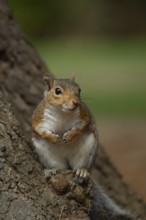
[88, 98]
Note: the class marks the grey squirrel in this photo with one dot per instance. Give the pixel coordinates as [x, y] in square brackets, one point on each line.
[65, 137]
[64, 131]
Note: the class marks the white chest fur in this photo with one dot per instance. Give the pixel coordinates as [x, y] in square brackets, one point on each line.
[58, 121]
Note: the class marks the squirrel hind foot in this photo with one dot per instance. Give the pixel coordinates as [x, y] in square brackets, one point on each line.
[50, 172]
[81, 174]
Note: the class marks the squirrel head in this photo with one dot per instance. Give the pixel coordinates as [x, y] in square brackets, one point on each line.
[63, 94]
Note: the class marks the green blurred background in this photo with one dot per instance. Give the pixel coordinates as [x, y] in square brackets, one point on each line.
[104, 43]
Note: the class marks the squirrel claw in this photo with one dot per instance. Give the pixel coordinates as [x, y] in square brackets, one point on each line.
[65, 140]
[82, 173]
[66, 136]
[49, 172]
[59, 141]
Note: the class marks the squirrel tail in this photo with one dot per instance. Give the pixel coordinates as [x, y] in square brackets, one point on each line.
[104, 208]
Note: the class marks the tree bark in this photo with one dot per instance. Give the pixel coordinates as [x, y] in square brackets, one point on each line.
[24, 192]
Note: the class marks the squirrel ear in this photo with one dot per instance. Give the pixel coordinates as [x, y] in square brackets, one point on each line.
[48, 80]
[73, 77]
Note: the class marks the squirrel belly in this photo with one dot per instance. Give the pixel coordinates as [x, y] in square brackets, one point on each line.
[78, 153]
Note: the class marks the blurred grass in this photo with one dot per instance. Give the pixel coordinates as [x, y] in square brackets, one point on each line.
[111, 73]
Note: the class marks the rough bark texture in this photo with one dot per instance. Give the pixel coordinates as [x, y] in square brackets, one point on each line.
[23, 188]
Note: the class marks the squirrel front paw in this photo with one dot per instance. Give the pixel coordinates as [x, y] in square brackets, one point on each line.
[56, 138]
[68, 136]
[52, 137]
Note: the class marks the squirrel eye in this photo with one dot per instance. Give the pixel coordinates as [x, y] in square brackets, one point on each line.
[58, 91]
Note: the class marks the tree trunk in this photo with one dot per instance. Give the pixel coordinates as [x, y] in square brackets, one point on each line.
[24, 192]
